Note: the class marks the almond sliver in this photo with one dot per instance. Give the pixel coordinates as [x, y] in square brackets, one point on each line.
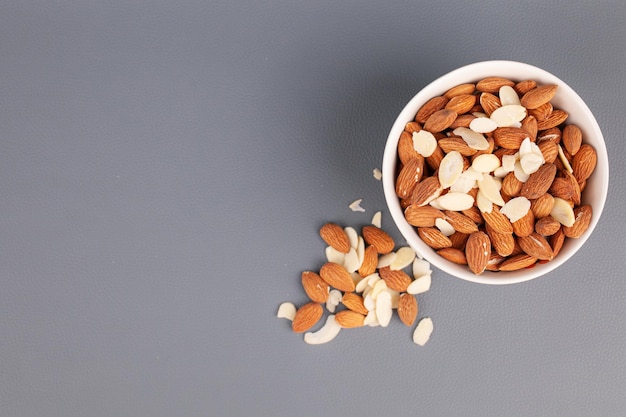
[455, 201]
[404, 258]
[328, 332]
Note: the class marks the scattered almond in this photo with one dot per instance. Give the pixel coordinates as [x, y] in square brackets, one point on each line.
[335, 237]
[306, 317]
[407, 309]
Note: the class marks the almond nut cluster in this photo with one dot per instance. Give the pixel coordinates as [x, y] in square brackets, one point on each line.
[361, 283]
[491, 175]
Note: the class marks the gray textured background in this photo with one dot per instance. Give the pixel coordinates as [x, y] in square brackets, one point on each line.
[165, 167]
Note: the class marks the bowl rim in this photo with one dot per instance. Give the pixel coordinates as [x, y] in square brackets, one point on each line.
[472, 73]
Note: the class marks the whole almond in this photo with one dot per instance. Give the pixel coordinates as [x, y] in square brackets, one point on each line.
[460, 89]
[474, 214]
[526, 225]
[511, 186]
[458, 240]
[493, 84]
[517, 262]
[584, 162]
[440, 120]
[454, 255]
[536, 246]
[502, 243]
[406, 150]
[461, 104]
[478, 251]
[315, 287]
[529, 124]
[434, 238]
[410, 174]
[572, 138]
[407, 309]
[370, 261]
[426, 191]
[549, 150]
[583, 215]
[498, 221]
[542, 206]
[553, 135]
[462, 120]
[555, 118]
[434, 160]
[422, 216]
[337, 276]
[412, 127]
[547, 226]
[349, 319]
[539, 182]
[538, 96]
[509, 137]
[378, 238]
[336, 237]
[524, 86]
[396, 279]
[354, 302]
[456, 143]
[542, 112]
[306, 317]
[430, 107]
[460, 222]
[489, 102]
[557, 240]
[563, 188]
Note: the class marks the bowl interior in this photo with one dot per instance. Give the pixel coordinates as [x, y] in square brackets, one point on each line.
[566, 98]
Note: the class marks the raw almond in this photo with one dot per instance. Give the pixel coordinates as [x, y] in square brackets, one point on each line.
[542, 206]
[456, 143]
[498, 221]
[354, 302]
[435, 158]
[583, 215]
[378, 238]
[430, 107]
[539, 182]
[489, 103]
[517, 262]
[406, 150]
[557, 240]
[474, 214]
[536, 246]
[440, 120]
[306, 317]
[547, 226]
[509, 137]
[458, 240]
[542, 112]
[463, 120]
[460, 89]
[349, 319]
[462, 103]
[539, 95]
[370, 261]
[426, 191]
[511, 186]
[434, 238]
[422, 216]
[412, 127]
[454, 255]
[335, 237]
[529, 124]
[572, 138]
[524, 86]
[553, 135]
[315, 287]
[395, 279]
[502, 243]
[460, 222]
[556, 118]
[549, 150]
[526, 225]
[584, 162]
[407, 309]
[337, 276]
[478, 251]
[410, 174]
[493, 84]
[562, 187]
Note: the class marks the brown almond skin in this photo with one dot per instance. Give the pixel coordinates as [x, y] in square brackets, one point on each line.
[536, 246]
[517, 262]
[493, 84]
[539, 182]
[489, 102]
[509, 137]
[306, 317]
[454, 255]
[572, 138]
[542, 206]
[461, 104]
[410, 174]
[370, 261]
[460, 222]
[336, 237]
[584, 162]
[378, 238]
[314, 286]
[478, 252]
[349, 319]
[460, 89]
[498, 221]
[539, 95]
[397, 280]
[556, 118]
[583, 215]
[424, 216]
[354, 302]
[434, 238]
[407, 309]
[426, 190]
[549, 150]
[430, 107]
[502, 243]
[337, 276]
[440, 120]
[547, 226]
[406, 151]
[526, 225]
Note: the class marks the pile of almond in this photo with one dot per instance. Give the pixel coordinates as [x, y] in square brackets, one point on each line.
[361, 283]
[491, 175]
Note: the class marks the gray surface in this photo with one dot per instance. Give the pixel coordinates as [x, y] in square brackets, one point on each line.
[165, 167]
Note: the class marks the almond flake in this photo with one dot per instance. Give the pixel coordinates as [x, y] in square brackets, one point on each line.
[420, 267]
[525, 148]
[424, 143]
[516, 208]
[450, 168]
[386, 260]
[486, 163]
[287, 311]
[563, 212]
[564, 160]
[379, 287]
[508, 162]
[509, 115]
[445, 227]
[333, 255]
[383, 308]
[351, 261]
[473, 139]
[356, 205]
[368, 301]
[334, 297]
[353, 236]
[500, 172]
[484, 204]
[483, 125]
[422, 332]
[531, 162]
[519, 172]
[377, 219]
[377, 174]
[371, 319]
[360, 250]
[404, 257]
[328, 332]
[455, 201]
[419, 285]
[508, 96]
[362, 284]
[464, 183]
[490, 189]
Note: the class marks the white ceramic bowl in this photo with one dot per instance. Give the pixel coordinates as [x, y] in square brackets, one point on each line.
[566, 98]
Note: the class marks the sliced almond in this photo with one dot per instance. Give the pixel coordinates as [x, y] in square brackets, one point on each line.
[328, 332]
[490, 189]
[516, 208]
[563, 212]
[475, 140]
[483, 125]
[404, 257]
[486, 163]
[509, 115]
[420, 285]
[286, 310]
[383, 308]
[508, 95]
[423, 331]
[424, 143]
[455, 201]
